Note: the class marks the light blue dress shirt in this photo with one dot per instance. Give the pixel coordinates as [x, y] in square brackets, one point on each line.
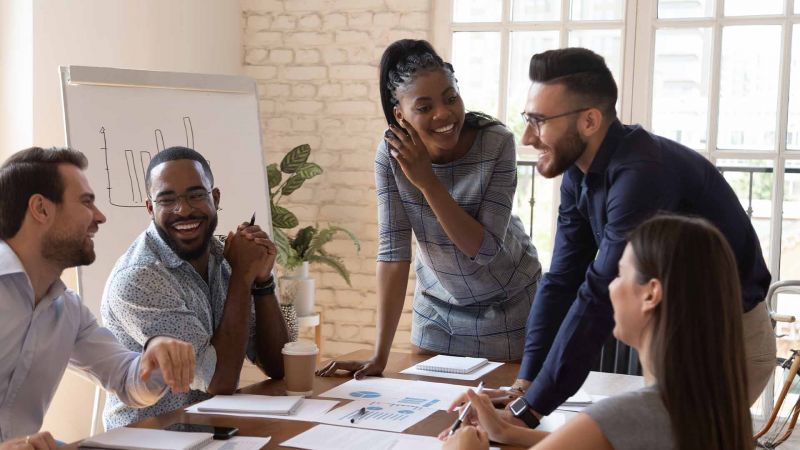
[37, 342]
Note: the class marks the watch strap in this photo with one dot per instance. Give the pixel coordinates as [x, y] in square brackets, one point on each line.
[265, 288]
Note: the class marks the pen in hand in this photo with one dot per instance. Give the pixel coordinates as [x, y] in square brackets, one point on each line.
[358, 415]
[464, 412]
[253, 219]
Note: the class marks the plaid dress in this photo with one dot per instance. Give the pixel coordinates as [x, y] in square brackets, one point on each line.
[462, 305]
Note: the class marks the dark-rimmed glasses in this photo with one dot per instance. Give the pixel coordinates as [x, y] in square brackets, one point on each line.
[537, 121]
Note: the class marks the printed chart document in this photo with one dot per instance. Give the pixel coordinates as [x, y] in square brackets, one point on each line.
[426, 394]
[328, 437]
[309, 411]
[477, 374]
[376, 415]
[238, 443]
[255, 404]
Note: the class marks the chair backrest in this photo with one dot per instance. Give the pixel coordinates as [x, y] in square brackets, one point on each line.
[616, 357]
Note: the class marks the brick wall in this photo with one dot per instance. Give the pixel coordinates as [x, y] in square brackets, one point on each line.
[316, 64]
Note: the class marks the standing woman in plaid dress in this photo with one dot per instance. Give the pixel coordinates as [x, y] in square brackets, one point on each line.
[449, 177]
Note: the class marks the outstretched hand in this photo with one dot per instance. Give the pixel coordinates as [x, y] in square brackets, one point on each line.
[359, 368]
[175, 359]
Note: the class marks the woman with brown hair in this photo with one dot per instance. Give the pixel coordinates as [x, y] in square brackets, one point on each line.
[675, 301]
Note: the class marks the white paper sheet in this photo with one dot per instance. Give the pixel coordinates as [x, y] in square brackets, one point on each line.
[377, 416]
[238, 443]
[308, 411]
[426, 394]
[328, 437]
[454, 376]
[552, 422]
[579, 408]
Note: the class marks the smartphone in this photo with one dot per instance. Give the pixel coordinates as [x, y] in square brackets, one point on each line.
[219, 433]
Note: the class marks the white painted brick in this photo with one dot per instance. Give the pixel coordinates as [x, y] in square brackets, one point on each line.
[368, 334]
[358, 161]
[304, 90]
[305, 73]
[349, 196]
[309, 38]
[359, 5]
[334, 21]
[285, 143]
[351, 90]
[281, 56]
[395, 35]
[353, 72]
[414, 21]
[347, 332]
[328, 124]
[325, 296]
[267, 38]
[351, 108]
[255, 56]
[304, 124]
[258, 23]
[332, 348]
[306, 5]
[284, 23]
[302, 107]
[261, 5]
[361, 55]
[344, 143]
[325, 159]
[310, 22]
[277, 89]
[386, 20]
[307, 56]
[324, 195]
[352, 37]
[336, 213]
[408, 5]
[266, 106]
[402, 337]
[360, 21]
[405, 321]
[334, 55]
[349, 315]
[330, 90]
[279, 124]
[261, 72]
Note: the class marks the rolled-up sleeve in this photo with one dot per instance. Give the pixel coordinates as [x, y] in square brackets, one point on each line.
[146, 304]
[494, 213]
[99, 355]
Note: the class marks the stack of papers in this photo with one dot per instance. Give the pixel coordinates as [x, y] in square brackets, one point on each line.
[252, 404]
[452, 364]
[581, 398]
[145, 439]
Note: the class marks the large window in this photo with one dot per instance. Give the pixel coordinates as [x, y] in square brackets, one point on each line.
[720, 76]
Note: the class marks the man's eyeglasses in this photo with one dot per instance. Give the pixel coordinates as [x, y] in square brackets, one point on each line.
[195, 198]
[537, 121]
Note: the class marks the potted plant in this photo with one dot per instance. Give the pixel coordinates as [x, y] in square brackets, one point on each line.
[307, 246]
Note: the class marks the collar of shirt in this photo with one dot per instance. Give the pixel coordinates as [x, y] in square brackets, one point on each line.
[616, 132]
[10, 265]
[169, 257]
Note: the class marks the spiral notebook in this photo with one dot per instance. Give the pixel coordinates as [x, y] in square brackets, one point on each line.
[452, 364]
[284, 405]
[146, 439]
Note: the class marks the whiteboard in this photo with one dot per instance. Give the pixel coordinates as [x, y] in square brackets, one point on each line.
[120, 118]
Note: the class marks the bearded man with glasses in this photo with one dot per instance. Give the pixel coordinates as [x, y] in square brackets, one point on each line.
[177, 279]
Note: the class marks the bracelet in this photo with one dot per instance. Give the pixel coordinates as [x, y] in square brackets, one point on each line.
[265, 288]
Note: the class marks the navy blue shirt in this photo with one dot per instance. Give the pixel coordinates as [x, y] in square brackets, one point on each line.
[634, 175]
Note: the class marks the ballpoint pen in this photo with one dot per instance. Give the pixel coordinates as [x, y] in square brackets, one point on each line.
[253, 219]
[358, 415]
[464, 412]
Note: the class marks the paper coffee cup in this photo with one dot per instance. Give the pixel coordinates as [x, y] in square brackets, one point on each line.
[299, 364]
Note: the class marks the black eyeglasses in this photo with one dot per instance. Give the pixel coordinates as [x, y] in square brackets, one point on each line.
[537, 121]
[195, 198]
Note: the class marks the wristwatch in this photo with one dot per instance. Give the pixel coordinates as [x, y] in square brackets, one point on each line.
[265, 288]
[520, 409]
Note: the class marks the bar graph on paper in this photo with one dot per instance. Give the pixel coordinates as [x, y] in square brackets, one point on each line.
[376, 415]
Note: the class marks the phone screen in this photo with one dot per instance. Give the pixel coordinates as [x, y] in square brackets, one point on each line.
[218, 432]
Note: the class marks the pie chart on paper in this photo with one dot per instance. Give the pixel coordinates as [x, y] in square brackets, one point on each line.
[365, 394]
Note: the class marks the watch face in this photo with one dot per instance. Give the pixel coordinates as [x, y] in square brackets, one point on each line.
[518, 406]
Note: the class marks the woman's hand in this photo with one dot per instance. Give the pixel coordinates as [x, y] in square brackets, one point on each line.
[483, 414]
[467, 438]
[499, 397]
[407, 148]
[359, 368]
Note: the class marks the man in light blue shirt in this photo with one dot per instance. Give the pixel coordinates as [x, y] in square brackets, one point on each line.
[47, 221]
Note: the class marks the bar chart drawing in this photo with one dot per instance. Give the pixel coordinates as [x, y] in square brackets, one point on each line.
[130, 191]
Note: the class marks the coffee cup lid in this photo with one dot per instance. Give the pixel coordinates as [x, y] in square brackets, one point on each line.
[300, 348]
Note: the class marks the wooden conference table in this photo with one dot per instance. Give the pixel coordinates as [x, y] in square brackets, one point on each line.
[281, 430]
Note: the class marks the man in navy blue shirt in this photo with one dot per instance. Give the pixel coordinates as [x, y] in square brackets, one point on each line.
[615, 177]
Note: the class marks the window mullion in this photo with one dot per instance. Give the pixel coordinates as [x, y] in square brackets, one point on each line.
[714, 88]
[505, 59]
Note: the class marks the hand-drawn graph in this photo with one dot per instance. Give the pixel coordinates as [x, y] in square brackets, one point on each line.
[130, 191]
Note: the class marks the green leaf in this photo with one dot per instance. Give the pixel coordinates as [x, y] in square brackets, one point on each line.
[283, 218]
[287, 256]
[292, 184]
[309, 170]
[295, 158]
[335, 263]
[302, 239]
[273, 175]
[326, 235]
